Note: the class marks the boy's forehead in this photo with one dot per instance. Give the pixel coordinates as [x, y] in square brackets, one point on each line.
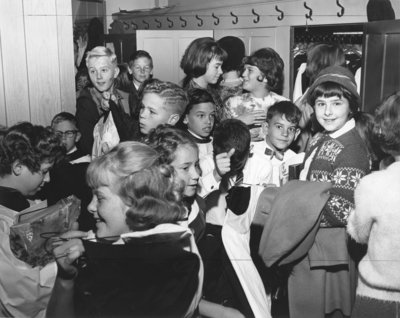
[142, 61]
[64, 125]
[203, 107]
[100, 61]
[153, 100]
[281, 118]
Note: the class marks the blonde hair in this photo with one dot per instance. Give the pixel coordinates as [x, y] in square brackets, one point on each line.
[154, 197]
[126, 158]
[100, 51]
[150, 190]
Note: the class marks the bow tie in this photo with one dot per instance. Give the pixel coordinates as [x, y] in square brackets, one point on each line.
[274, 153]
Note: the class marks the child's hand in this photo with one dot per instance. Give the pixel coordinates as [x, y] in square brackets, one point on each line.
[68, 249]
[223, 162]
[256, 117]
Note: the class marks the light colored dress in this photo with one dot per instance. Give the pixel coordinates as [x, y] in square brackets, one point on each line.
[246, 103]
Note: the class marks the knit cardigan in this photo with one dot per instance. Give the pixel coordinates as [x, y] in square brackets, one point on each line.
[343, 161]
[376, 222]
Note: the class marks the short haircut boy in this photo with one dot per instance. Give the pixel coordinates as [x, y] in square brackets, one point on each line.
[233, 133]
[285, 108]
[175, 98]
[100, 51]
[270, 64]
[139, 54]
[198, 96]
[64, 116]
[65, 125]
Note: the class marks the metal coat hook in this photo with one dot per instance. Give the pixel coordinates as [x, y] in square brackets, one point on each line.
[282, 15]
[146, 25]
[257, 19]
[158, 23]
[126, 25]
[170, 23]
[309, 14]
[134, 25]
[341, 13]
[236, 18]
[216, 22]
[200, 21]
[184, 22]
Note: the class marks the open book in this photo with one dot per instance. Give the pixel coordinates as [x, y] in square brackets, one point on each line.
[35, 226]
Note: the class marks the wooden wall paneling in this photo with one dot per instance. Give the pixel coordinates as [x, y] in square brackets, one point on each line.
[165, 70]
[43, 67]
[39, 7]
[14, 63]
[66, 56]
[3, 118]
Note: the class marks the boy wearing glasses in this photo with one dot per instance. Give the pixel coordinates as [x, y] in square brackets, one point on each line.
[68, 176]
[280, 129]
[65, 126]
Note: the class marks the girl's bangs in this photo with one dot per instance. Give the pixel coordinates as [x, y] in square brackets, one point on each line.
[328, 89]
[99, 176]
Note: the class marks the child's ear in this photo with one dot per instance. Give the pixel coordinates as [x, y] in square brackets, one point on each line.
[78, 137]
[297, 133]
[185, 120]
[116, 71]
[173, 119]
[264, 128]
[129, 70]
[17, 168]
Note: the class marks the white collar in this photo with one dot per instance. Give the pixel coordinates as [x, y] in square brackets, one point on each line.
[347, 127]
[196, 135]
[72, 150]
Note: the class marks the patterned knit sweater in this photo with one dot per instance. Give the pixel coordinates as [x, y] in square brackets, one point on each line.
[343, 161]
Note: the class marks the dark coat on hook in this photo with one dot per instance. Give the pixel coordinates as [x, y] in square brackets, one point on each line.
[378, 10]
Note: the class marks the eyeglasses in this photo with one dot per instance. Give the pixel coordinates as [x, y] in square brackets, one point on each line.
[145, 69]
[67, 134]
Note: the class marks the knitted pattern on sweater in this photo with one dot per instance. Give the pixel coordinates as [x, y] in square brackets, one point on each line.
[343, 161]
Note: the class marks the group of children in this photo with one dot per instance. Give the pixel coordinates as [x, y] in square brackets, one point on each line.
[167, 214]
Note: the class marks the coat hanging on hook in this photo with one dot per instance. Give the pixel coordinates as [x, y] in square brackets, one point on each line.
[236, 18]
[257, 19]
[216, 22]
[281, 16]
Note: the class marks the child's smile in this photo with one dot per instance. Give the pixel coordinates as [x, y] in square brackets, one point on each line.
[332, 112]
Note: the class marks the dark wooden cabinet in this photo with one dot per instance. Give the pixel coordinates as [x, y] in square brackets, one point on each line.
[381, 66]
